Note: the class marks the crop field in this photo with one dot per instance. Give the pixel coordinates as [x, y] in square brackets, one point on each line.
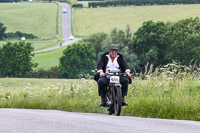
[39, 19]
[91, 20]
[155, 97]
[36, 18]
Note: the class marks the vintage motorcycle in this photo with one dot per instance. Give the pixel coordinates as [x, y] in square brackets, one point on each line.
[114, 92]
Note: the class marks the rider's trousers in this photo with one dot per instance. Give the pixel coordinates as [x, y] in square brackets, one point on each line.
[103, 81]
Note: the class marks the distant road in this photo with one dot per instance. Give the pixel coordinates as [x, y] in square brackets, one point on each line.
[52, 121]
[66, 28]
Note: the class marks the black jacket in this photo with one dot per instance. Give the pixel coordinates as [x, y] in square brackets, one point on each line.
[123, 66]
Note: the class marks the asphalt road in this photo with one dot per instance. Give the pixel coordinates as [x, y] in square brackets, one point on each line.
[52, 121]
[66, 29]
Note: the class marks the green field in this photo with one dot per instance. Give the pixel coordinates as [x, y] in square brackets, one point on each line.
[91, 20]
[49, 59]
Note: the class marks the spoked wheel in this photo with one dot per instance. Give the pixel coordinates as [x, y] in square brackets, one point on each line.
[117, 100]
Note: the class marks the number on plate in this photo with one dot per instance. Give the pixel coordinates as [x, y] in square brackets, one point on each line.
[114, 79]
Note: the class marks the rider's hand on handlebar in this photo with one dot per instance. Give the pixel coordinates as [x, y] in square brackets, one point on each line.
[102, 74]
[128, 74]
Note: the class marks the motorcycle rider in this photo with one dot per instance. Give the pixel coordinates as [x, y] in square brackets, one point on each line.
[112, 60]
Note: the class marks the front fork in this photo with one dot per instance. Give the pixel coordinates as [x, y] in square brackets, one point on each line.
[111, 94]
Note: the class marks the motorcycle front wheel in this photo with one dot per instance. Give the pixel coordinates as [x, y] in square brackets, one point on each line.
[117, 100]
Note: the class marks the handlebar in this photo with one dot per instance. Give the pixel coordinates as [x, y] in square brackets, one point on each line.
[115, 74]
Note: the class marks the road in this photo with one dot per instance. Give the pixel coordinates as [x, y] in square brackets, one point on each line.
[66, 29]
[52, 121]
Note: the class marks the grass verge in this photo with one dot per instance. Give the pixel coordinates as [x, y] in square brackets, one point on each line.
[155, 97]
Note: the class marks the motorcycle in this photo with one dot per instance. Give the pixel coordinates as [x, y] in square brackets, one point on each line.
[114, 93]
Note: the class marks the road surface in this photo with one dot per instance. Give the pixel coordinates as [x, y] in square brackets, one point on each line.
[66, 29]
[52, 121]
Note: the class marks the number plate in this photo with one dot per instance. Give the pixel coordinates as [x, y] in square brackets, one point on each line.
[114, 79]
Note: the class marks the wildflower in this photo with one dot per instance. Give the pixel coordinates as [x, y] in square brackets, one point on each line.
[2, 98]
[174, 70]
[171, 72]
[167, 72]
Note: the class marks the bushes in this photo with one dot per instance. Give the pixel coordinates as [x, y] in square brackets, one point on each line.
[53, 72]
[77, 5]
[18, 35]
[140, 2]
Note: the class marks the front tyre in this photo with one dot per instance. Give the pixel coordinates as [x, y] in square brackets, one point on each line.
[117, 100]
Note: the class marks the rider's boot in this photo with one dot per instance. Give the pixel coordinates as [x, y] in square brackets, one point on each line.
[124, 103]
[103, 101]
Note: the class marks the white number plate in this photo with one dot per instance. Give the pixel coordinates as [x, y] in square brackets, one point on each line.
[114, 79]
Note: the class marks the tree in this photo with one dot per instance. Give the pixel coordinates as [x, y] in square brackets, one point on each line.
[96, 40]
[16, 59]
[117, 36]
[149, 43]
[123, 40]
[77, 59]
[2, 31]
[185, 41]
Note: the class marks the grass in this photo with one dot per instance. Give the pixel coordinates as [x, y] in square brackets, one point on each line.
[62, 94]
[156, 97]
[165, 99]
[87, 21]
[49, 59]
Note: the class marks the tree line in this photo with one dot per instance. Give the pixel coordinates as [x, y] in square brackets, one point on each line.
[156, 43]
[140, 2]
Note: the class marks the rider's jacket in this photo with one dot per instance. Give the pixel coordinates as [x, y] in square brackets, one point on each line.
[101, 66]
[123, 66]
